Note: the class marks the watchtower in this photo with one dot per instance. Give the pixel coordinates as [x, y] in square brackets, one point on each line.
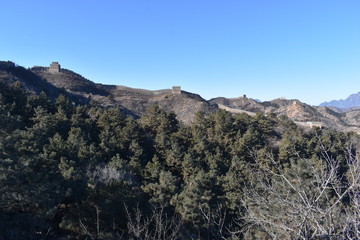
[7, 64]
[54, 67]
[176, 90]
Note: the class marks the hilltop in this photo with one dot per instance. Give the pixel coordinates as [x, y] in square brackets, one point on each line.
[55, 80]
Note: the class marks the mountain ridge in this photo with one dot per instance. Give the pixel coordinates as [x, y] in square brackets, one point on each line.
[350, 102]
[184, 104]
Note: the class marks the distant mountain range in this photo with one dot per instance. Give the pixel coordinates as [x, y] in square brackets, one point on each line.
[350, 102]
[184, 104]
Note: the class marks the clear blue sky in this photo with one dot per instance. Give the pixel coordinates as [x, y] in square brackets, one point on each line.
[298, 49]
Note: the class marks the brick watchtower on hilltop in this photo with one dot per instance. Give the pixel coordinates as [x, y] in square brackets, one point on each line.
[8, 64]
[176, 90]
[54, 67]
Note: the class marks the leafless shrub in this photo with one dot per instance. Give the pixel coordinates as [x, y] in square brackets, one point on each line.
[108, 175]
[309, 201]
[217, 223]
[157, 226]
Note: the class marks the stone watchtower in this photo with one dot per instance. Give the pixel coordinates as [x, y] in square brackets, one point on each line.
[176, 90]
[54, 67]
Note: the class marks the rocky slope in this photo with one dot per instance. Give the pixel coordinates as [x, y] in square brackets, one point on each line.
[184, 104]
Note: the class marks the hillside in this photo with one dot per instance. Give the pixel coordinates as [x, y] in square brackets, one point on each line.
[32, 82]
[135, 101]
[81, 90]
[184, 104]
[300, 113]
[86, 172]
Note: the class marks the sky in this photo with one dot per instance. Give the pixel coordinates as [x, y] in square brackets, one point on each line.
[297, 49]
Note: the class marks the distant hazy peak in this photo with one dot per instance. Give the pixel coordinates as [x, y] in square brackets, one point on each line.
[352, 101]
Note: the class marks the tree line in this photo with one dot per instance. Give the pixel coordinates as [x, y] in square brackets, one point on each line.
[88, 172]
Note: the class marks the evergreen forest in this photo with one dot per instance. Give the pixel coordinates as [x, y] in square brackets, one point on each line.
[87, 172]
